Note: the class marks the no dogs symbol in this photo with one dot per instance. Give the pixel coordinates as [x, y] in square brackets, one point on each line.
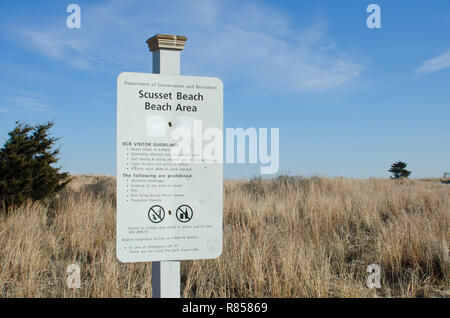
[184, 213]
[156, 213]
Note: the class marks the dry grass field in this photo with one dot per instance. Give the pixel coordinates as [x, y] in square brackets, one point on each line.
[286, 237]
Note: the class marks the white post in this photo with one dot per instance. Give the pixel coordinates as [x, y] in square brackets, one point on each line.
[166, 60]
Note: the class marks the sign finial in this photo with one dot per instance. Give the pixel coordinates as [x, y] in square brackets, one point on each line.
[166, 41]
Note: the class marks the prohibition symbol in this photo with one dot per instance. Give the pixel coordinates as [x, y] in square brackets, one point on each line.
[156, 214]
[184, 213]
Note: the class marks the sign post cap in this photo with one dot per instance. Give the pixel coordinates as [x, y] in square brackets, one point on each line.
[166, 41]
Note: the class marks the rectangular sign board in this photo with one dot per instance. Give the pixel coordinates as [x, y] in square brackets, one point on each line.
[169, 167]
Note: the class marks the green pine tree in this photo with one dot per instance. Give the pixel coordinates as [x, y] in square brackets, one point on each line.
[398, 170]
[26, 166]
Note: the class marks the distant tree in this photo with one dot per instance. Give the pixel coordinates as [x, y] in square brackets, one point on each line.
[26, 166]
[398, 170]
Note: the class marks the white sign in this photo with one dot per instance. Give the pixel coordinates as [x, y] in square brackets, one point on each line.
[169, 186]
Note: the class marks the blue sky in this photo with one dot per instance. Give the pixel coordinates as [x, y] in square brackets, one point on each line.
[348, 100]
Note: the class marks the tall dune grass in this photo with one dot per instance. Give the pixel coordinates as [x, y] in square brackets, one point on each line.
[286, 237]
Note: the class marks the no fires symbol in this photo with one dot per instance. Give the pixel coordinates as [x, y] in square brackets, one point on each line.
[184, 213]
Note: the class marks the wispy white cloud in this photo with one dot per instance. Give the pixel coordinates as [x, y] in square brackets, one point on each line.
[248, 41]
[434, 64]
[14, 100]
